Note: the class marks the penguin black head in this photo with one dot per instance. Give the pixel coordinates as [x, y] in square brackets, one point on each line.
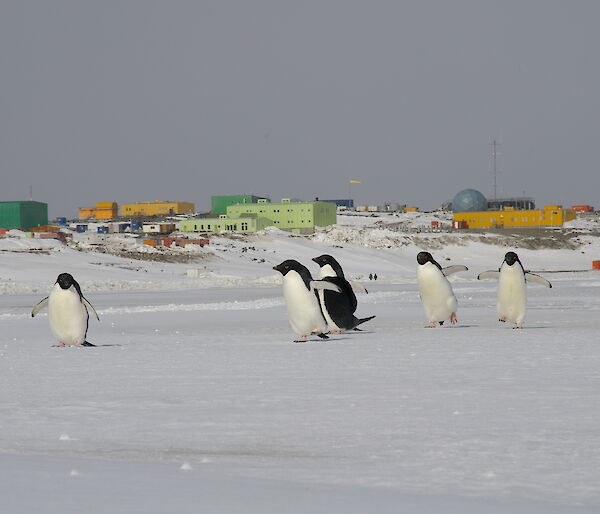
[510, 258]
[290, 265]
[323, 260]
[425, 257]
[65, 280]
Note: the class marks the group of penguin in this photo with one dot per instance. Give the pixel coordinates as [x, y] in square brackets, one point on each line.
[325, 305]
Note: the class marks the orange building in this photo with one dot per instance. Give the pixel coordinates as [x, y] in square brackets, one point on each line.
[549, 216]
[102, 210]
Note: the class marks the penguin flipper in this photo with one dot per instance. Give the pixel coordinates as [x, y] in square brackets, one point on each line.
[454, 269]
[88, 304]
[488, 274]
[317, 285]
[532, 277]
[359, 288]
[37, 308]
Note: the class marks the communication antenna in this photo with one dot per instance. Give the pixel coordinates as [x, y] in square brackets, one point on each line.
[30, 193]
[494, 144]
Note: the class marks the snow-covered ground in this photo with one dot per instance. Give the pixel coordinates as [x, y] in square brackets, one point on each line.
[196, 400]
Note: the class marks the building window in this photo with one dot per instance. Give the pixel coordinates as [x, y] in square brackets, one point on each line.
[244, 226]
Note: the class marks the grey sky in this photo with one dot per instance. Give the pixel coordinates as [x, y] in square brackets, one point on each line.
[177, 100]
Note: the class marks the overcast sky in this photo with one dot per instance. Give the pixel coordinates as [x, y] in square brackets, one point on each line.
[178, 100]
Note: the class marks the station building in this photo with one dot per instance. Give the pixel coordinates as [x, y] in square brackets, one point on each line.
[23, 215]
[157, 208]
[101, 211]
[509, 217]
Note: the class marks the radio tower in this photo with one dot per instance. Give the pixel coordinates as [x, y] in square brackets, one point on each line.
[494, 146]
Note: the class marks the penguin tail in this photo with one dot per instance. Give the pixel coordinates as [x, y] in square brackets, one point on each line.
[362, 320]
[87, 343]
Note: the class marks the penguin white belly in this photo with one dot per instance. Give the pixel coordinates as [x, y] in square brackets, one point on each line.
[67, 316]
[436, 293]
[326, 271]
[331, 325]
[512, 294]
[303, 309]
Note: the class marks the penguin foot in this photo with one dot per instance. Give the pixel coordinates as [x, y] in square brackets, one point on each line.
[518, 325]
[87, 343]
[300, 340]
[324, 336]
[453, 318]
[502, 319]
[356, 329]
[430, 325]
[337, 332]
[59, 345]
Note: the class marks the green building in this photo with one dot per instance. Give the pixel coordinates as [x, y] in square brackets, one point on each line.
[297, 217]
[23, 215]
[219, 204]
[223, 223]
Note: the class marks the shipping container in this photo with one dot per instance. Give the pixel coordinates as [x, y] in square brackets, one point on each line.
[596, 265]
[61, 221]
[80, 229]
[582, 208]
[435, 224]
[136, 226]
[45, 228]
[52, 235]
[102, 230]
[150, 242]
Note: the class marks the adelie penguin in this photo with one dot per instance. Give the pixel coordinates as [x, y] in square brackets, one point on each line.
[437, 297]
[67, 312]
[299, 292]
[338, 308]
[511, 301]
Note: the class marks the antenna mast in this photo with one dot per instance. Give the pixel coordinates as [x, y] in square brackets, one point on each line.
[494, 145]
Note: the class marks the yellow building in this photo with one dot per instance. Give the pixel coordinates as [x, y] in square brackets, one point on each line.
[549, 216]
[156, 208]
[102, 210]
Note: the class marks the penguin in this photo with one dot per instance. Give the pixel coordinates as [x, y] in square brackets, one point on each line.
[437, 297]
[299, 288]
[338, 308]
[67, 312]
[511, 301]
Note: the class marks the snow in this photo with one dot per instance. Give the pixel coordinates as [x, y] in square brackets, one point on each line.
[197, 400]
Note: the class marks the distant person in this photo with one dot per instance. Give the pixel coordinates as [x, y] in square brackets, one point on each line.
[370, 276]
[375, 276]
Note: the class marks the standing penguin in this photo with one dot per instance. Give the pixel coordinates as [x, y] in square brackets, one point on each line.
[437, 297]
[512, 289]
[304, 312]
[338, 308]
[67, 312]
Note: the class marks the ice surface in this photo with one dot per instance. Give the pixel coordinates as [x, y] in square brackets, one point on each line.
[196, 400]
